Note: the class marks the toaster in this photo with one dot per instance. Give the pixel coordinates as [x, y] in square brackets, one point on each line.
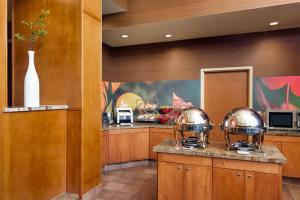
[124, 116]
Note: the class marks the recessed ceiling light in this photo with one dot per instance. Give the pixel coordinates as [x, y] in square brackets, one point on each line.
[274, 23]
[124, 36]
[168, 35]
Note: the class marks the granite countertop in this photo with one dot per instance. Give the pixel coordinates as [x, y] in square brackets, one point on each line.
[30, 109]
[295, 133]
[217, 150]
[138, 125]
[155, 125]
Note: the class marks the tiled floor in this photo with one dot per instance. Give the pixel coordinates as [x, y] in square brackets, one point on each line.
[140, 183]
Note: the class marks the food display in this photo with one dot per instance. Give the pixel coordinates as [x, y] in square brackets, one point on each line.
[147, 113]
[165, 109]
[146, 107]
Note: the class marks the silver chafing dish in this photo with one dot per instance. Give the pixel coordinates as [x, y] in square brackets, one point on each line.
[244, 121]
[192, 127]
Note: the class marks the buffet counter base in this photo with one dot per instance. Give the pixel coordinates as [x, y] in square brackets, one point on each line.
[215, 173]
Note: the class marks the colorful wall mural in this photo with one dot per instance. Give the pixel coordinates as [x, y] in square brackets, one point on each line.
[277, 93]
[268, 93]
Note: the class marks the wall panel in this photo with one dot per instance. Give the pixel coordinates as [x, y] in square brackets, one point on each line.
[91, 116]
[3, 93]
[57, 56]
[270, 53]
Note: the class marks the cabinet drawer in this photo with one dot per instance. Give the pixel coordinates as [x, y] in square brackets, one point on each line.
[162, 130]
[191, 160]
[129, 130]
[270, 168]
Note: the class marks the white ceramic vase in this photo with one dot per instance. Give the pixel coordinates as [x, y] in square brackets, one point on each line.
[31, 84]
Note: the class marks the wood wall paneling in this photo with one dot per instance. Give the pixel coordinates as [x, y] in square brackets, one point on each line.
[73, 149]
[271, 53]
[58, 55]
[91, 116]
[93, 8]
[3, 92]
[140, 12]
[36, 145]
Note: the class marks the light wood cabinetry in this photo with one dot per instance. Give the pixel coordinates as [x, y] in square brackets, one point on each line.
[184, 177]
[104, 148]
[289, 146]
[139, 143]
[197, 182]
[119, 148]
[128, 145]
[228, 184]
[35, 160]
[157, 135]
[243, 180]
[261, 186]
[239, 185]
[170, 181]
[291, 151]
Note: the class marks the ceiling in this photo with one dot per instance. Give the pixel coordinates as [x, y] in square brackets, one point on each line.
[249, 21]
[111, 7]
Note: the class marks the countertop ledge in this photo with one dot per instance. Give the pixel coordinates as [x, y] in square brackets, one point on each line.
[137, 125]
[152, 125]
[217, 150]
[30, 109]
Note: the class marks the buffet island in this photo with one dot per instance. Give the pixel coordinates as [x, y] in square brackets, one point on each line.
[190, 167]
[217, 173]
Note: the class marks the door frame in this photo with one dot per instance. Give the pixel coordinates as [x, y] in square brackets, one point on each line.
[248, 69]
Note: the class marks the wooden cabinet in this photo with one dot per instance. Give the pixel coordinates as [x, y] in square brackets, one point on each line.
[244, 185]
[243, 180]
[128, 145]
[104, 147]
[139, 143]
[228, 184]
[291, 151]
[261, 186]
[184, 177]
[119, 148]
[289, 146]
[197, 182]
[157, 135]
[170, 181]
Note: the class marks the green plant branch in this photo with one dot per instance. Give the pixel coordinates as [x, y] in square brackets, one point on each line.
[37, 29]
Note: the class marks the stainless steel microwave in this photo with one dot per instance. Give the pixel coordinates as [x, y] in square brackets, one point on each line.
[283, 119]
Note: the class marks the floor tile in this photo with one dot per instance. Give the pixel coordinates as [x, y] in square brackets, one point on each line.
[122, 196]
[285, 193]
[294, 191]
[131, 189]
[113, 186]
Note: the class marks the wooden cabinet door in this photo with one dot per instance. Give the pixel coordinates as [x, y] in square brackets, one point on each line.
[228, 184]
[291, 151]
[170, 181]
[119, 148]
[139, 146]
[156, 138]
[104, 147]
[262, 186]
[197, 182]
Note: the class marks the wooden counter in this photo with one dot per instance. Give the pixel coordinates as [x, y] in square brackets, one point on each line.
[35, 154]
[211, 174]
